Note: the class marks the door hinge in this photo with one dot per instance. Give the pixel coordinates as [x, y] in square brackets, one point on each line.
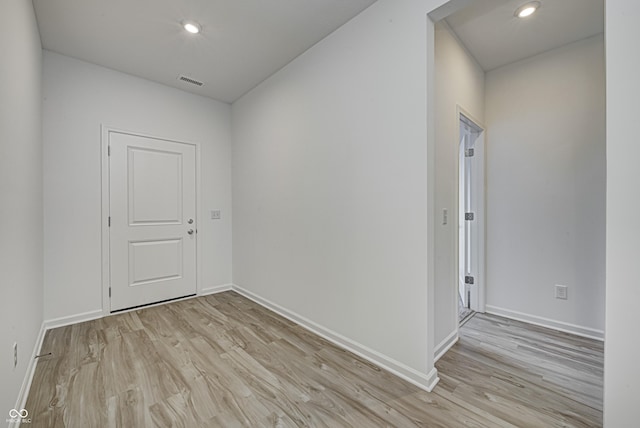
[468, 216]
[468, 153]
[109, 291]
[109, 221]
[108, 150]
[468, 280]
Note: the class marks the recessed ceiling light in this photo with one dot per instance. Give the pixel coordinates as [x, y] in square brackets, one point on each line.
[527, 9]
[191, 26]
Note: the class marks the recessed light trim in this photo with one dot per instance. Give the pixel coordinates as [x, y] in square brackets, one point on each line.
[191, 26]
[527, 9]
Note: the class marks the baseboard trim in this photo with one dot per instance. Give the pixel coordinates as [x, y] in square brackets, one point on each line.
[73, 319]
[578, 330]
[423, 381]
[216, 289]
[445, 345]
[28, 376]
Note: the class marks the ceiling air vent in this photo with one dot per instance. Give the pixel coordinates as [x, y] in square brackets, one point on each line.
[190, 80]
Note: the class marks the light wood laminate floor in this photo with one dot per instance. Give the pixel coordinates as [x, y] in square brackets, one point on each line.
[224, 361]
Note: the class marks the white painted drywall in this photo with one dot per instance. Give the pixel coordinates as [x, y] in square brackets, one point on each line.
[78, 98]
[545, 119]
[622, 344]
[330, 184]
[20, 194]
[459, 82]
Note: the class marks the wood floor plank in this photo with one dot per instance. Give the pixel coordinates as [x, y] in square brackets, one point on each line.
[225, 361]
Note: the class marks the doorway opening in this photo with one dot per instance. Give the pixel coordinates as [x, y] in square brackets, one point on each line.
[470, 215]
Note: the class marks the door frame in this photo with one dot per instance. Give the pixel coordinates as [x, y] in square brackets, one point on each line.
[104, 220]
[478, 301]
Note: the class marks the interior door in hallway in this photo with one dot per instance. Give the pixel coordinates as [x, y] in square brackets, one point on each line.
[152, 216]
[471, 214]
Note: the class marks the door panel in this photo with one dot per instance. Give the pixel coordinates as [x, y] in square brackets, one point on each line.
[155, 261]
[153, 220]
[155, 186]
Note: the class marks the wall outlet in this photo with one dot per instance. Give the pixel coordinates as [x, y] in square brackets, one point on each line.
[15, 355]
[561, 292]
[215, 214]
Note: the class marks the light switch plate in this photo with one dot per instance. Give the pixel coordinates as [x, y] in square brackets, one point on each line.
[215, 214]
[561, 292]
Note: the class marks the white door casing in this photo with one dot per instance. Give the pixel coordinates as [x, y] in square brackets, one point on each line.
[152, 215]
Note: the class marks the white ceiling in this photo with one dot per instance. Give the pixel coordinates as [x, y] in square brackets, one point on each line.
[242, 41]
[495, 37]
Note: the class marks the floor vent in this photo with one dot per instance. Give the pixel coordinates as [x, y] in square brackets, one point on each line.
[190, 80]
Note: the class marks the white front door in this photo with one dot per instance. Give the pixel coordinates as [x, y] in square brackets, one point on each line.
[152, 200]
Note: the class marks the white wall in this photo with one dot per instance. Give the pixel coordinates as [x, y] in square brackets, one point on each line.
[330, 184]
[78, 98]
[20, 194]
[545, 118]
[459, 82]
[622, 345]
